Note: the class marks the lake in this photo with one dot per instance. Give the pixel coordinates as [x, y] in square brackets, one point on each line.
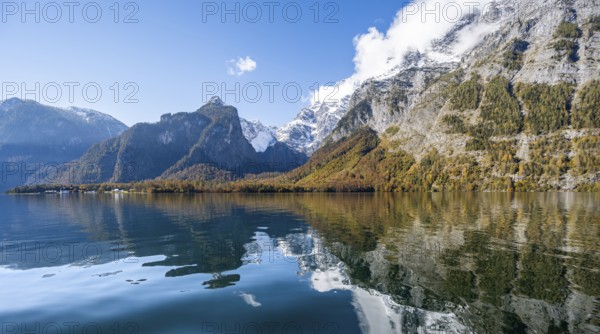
[300, 263]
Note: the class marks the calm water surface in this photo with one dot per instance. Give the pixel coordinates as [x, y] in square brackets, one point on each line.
[302, 263]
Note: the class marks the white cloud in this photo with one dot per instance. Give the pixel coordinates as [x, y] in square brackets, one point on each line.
[414, 28]
[240, 66]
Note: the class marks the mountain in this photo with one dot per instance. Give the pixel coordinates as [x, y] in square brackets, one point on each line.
[261, 137]
[307, 131]
[203, 145]
[34, 136]
[506, 96]
[507, 99]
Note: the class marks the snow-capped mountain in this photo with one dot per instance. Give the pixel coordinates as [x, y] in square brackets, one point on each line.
[438, 44]
[33, 135]
[313, 124]
[27, 121]
[519, 75]
[260, 136]
[299, 133]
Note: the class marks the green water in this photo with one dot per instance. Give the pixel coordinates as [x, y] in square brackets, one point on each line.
[300, 263]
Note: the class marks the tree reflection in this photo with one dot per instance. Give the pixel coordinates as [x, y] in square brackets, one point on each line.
[502, 262]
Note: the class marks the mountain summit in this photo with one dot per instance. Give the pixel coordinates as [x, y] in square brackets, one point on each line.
[502, 99]
[216, 101]
[203, 145]
[526, 41]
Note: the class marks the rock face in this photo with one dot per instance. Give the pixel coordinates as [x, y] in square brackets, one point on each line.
[313, 124]
[414, 100]
[261, 137]
[34, 135]
[481, 43]
[202, 145]
[518, 102]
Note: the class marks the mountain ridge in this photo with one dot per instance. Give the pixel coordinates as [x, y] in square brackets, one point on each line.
[520, 114]
[206, 144]
[503, 99]
[35, 136]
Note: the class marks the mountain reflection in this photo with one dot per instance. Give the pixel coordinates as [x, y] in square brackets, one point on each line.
[432, 262]
[221, 281]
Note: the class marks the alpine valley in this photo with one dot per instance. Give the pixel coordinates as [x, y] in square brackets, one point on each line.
[505, 98]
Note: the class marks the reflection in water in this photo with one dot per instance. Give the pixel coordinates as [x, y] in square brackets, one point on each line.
[221, 281]
[428, 263]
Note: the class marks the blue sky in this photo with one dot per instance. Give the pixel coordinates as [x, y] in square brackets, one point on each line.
[169, 57]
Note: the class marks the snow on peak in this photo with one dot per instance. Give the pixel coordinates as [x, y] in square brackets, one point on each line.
[409, 42]
[88, 115]
[312, 125]
[113, 126]
[260, 136]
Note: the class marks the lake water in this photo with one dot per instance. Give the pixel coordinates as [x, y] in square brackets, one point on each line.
[300, 263]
